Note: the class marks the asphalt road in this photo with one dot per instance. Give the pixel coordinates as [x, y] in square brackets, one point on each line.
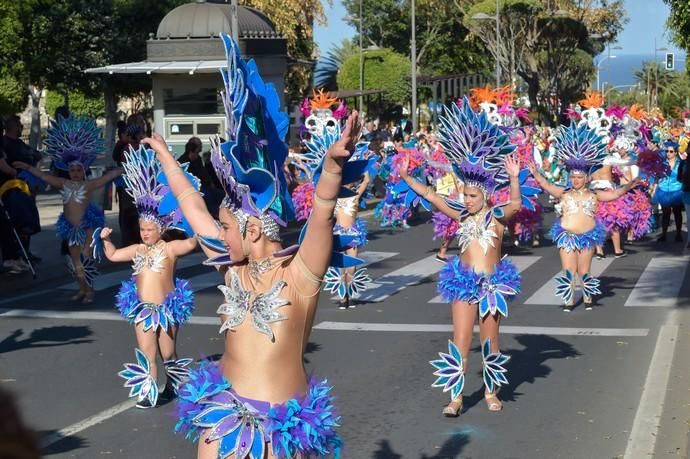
[607, 383]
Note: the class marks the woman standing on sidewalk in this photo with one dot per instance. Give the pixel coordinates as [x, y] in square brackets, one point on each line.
[153, 300]
[480, 281]
[668, 193]
[577, 232]
[73, 143]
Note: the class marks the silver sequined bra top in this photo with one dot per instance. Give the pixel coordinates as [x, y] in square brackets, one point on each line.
[480, 230]
[263, 307]
[151, 259]
[73, 191]
[347, 205]
[571, 205]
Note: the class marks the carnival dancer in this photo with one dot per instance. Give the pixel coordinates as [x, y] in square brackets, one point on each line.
[153, 300]
[73, 144]
[577, 232]
[343, 278]
[257, 400]
[479, 281]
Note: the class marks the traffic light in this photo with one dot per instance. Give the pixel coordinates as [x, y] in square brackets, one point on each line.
[669, 61]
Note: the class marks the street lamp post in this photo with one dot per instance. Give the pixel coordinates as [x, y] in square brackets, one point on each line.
[496, 17]
[598, 65]
[656, 72]
[361, 60]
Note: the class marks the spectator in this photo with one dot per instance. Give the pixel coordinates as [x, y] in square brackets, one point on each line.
[192, 155]
[214, 194]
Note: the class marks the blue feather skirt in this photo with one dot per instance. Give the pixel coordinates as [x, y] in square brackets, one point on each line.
[491, 292]
[92, 219]
[174, 311]
[304, 426]
[359, 230]
[571, 241]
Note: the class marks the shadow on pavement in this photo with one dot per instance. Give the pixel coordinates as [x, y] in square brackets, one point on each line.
[64, 445]
[46, 337]
[451, 448]
[526, 365]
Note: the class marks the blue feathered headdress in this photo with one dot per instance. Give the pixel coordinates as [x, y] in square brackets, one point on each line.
[580, 148]
[250, 162]
[148, 186]
[73, 140]
[475, 147]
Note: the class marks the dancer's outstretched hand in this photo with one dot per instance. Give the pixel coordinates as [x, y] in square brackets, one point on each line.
[106, 232]
[404, 166]
[512, 165]
[345, 146]
[533, 169]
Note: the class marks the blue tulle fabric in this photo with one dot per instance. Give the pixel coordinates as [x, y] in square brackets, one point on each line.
[459, 282]
[571, 241]
[359, 230]
[668, 198]
[92, 219]
[178, 304]
[304, 426]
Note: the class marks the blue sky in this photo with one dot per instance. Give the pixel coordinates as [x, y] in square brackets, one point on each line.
[646, 21]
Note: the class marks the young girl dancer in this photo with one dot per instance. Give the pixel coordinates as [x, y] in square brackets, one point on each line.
[73, 144]
[480, 281]
[153, 300]
[577, 232]
[257, 400]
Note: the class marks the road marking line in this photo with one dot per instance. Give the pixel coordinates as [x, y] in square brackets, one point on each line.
[546, 294]
[660, 282]
[522, 262]
[90, 315]
[508, 329]
[397, 280]
[86, 423]
[645, 427]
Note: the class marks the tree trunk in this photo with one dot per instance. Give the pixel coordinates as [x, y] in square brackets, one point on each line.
[110, 132]
[35, 93]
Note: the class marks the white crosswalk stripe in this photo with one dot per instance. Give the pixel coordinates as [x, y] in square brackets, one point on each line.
[522, 262]
[660, 282]
[397, 280]
[546, 294]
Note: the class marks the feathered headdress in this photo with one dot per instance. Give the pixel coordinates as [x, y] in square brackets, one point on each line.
[148, 186]
[73, 140]
[319, 114]
[594, 116]
[498, 105]
[249, 163]
[475, 147]
[580, 148]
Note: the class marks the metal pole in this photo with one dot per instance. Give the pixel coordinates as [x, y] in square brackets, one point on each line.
[498, 39]
[234, 24]
[598, 69]
[608, 68]
[656, 75]
[361, 61]
[413, 43]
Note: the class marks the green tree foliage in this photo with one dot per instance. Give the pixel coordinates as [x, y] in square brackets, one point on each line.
[443, 43]
[542, 42]
[80, 104]
[383, 69]
[678, 23]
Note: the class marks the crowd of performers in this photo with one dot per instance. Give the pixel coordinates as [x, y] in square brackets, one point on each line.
[481, 173]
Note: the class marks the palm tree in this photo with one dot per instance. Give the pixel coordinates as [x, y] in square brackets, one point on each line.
[326, 71]
[653, 77]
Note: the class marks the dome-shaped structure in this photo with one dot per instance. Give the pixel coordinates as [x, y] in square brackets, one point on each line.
[203, 19]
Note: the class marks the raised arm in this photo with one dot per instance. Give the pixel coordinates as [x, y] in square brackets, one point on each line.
[362, 188]
[114, 254]
[427, 192]
[55, 182]
[554, 190]
[182, 248]
[606, 196]
[315, 250]
[513, 206]
[191, 203]
[5, 168]
[104, 179]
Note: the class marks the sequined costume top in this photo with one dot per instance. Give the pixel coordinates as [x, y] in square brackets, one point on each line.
[480, 228]
[347, 205]
[73, 191]
[571, 206]
[152, 258]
